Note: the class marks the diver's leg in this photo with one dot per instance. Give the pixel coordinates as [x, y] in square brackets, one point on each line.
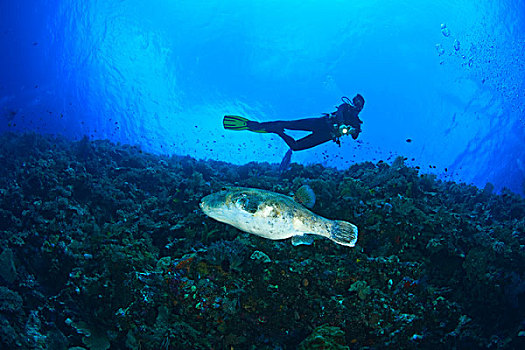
[306, 142]
[290, 141]
[308, 124]
[273, 127]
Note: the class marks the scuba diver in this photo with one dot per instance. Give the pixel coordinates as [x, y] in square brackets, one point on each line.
[344, 121]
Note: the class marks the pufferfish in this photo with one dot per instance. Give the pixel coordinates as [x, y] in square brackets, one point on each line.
[274, 216]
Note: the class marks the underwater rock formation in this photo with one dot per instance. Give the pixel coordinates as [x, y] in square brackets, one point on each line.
[104, 246]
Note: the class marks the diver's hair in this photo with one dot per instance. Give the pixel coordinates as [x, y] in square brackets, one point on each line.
[360, 99]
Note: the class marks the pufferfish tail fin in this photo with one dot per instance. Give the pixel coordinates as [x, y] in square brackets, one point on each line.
[343, 233]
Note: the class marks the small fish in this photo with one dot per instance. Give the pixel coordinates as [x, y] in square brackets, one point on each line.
[274, 216]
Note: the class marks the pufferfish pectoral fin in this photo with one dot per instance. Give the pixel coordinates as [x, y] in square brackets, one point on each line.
[302, 240]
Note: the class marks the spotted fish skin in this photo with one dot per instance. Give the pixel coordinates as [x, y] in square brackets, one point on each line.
[273, 216]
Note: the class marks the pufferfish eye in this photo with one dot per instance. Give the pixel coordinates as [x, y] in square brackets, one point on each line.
[242, 201]
[247, 203]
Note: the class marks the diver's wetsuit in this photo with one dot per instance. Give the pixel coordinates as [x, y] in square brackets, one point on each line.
[323, 129]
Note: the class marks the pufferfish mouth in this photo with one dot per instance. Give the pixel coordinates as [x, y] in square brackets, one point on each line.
[205, 207]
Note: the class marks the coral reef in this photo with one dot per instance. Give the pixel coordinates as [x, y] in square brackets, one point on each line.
[104, 246]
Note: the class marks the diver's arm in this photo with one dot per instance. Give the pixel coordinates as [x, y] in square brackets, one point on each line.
[355, 132]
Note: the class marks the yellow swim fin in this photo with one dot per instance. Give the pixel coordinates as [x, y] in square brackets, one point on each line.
[235, 122]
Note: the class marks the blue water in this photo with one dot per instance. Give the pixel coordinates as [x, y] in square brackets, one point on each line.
[447, 75]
